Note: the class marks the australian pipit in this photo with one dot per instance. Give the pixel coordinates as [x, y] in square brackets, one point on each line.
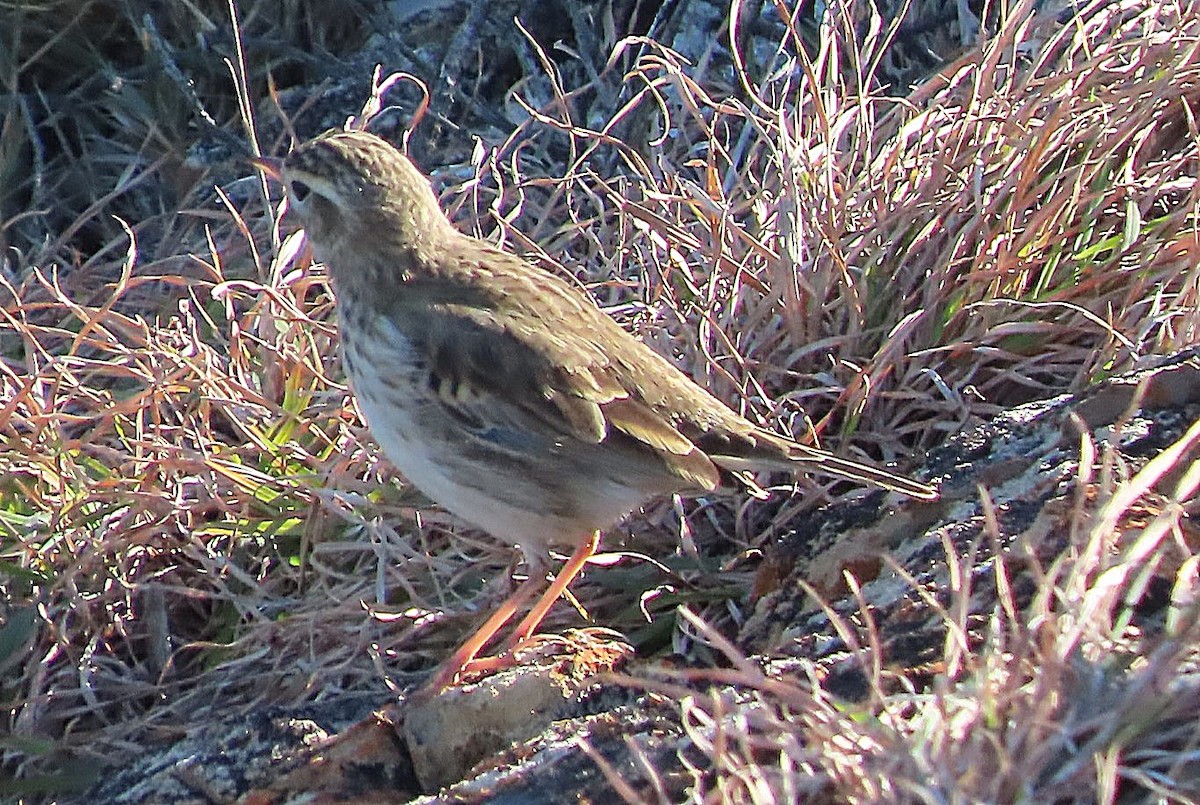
[500, 391]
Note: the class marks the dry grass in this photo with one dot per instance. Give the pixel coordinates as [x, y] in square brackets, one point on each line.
[1071, 697]
[104, 103]
[193, 520]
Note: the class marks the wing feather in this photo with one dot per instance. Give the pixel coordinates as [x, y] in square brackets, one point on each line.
[548, 356]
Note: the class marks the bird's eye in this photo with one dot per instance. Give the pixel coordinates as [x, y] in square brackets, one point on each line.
[300, 191]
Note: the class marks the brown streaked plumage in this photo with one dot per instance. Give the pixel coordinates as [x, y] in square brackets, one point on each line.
[499, 390]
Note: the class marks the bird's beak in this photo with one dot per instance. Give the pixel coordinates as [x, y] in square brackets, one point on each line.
[271, 166]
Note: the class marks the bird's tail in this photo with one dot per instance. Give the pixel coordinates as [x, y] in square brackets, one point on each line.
[822, 462]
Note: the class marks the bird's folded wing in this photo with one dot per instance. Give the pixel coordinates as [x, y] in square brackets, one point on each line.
[558, 377]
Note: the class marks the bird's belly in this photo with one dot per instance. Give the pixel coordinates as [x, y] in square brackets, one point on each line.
[532, 500]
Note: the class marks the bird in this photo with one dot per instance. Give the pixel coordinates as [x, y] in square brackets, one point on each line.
[503, 393]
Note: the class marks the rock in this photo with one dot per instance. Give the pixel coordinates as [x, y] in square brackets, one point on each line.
[449, 733]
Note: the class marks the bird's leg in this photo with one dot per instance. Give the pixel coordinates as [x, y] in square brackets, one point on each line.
[528, 624]
[463, 659]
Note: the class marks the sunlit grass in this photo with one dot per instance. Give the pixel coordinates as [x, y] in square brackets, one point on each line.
[193, 518]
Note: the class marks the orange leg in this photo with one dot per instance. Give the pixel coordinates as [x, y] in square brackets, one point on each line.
[463, 659]
[570, 570]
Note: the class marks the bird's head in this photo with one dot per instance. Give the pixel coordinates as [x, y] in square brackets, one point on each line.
[354, 188]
